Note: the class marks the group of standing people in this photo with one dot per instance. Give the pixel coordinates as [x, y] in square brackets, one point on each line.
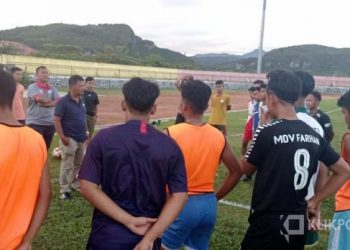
[153, 189]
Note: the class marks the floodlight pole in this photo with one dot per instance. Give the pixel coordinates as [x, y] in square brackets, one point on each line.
[261, 39]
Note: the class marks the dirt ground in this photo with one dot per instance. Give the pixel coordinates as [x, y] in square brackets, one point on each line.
[167, 104]
[109, 110]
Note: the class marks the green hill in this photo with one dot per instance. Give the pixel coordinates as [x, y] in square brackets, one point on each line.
[317, 59]
[117, 43]
[112, 43]
[221, 62]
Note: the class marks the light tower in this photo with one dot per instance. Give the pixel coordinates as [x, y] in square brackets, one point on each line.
[261, 44]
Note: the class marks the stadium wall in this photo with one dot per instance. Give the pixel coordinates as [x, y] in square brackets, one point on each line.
[60, 67]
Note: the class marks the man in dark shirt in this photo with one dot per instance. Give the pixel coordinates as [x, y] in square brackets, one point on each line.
[91, 101]
[125, 174]
[285, 155]
[313, 102]
[70, 124]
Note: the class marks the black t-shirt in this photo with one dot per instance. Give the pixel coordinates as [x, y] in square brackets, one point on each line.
[324, 120]
[91, 101]
[286, 155]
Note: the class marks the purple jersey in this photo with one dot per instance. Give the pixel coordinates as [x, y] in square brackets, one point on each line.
[133, 163]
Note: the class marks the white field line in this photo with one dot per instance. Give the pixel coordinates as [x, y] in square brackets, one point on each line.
[332, 111]
[234, 204]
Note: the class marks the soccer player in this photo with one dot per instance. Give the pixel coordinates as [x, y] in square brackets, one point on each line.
[25, 189]
[339, 238]
[70, 123]
[220, 103]
[319, 179]
[204, 147]
[252, 122]
[313, 102]
[285, 155]
[125, 174]
[251, 101]
[18, 103]
[42, 99]
[91, 101]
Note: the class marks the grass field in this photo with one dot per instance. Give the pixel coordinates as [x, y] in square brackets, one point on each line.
[68, 222]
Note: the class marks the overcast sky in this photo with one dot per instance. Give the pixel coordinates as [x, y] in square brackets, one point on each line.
[198, 26]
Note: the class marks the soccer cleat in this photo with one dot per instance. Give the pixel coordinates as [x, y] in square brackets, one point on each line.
[66, 196]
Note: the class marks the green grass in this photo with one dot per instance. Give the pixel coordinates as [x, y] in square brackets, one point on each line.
[68, 223]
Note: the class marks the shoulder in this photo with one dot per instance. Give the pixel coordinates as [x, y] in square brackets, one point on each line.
[323, 115]
[346, 138]
[268, 128]
[35, 137]
[62, 100]
[312, 122]
[32, 86]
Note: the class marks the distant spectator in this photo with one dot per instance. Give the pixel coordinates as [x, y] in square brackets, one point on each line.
[17, 106]
[42, 98]
[264, 111]
[220, 103]
[313, 104]
[70, 122]
[91, 101]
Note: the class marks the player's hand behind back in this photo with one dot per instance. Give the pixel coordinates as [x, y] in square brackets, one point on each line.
[140, 225]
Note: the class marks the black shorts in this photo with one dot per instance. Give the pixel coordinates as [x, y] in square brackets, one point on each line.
[269, 233]
[47, 132]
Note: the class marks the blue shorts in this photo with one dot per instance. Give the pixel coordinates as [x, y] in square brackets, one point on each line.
[195, 224]
[339, 238]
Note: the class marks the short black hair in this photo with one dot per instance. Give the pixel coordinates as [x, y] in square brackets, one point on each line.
[197, 94]
[317, 95]
[39, 68]
[14, 69]
[74, 79]
[258, 82]
[251, 89]
[308, 82]
[140, 94]
[7, 89]
[285, 85]
[89, 78]
[219, 82]
[344, 100]
[263, 86]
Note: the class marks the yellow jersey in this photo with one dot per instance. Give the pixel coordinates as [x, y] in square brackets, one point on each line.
[219, 106]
